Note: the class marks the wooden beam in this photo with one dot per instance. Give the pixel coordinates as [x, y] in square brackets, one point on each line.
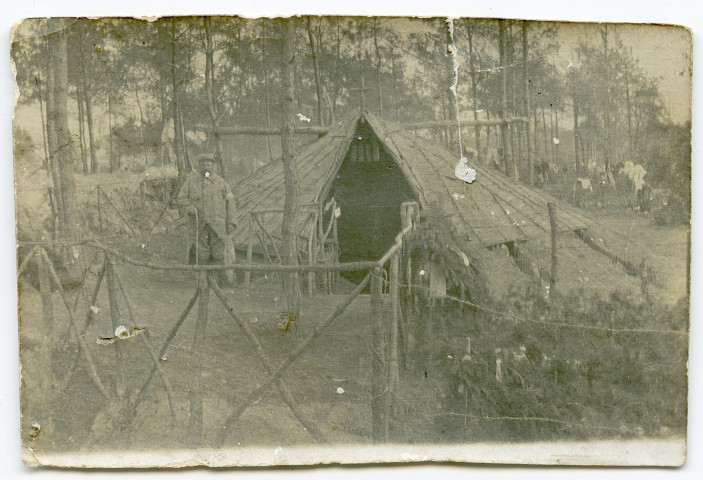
[464, 123]
[319, 131]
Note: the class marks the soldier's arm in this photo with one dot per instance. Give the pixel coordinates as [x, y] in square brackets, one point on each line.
[185, 206]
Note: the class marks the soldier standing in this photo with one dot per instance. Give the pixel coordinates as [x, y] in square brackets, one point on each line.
[208, 201]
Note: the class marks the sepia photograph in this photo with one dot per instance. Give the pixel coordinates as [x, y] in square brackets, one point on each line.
[351, 239]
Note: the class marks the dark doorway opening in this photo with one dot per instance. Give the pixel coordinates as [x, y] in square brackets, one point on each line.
[369, 190]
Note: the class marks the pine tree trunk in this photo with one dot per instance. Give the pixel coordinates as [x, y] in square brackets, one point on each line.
[474, 95]
[395, 88]
[576, 133]
[510, 169]
[175, 110]
[267, 98]
[68, 223]
[292, 180]
[527, 112]
[113, 163]
[316, 71]
[88, 109]
[210, 93]
[378, 67]
[81, 129]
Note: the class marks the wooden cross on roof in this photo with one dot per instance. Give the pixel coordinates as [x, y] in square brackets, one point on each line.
[361, 90]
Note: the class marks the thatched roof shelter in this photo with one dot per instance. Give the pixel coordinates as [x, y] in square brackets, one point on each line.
[370, 165]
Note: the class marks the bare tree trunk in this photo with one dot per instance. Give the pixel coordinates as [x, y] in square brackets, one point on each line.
[63, 162]
[316, 70]
[88, 108]
[395, 88]
[177, 127]
[378, 66]
[337, 80]
[527, 113]
[551, 134]
[142, 122]
[546, 137]
[629, 114]
[81, 132]
[510, 169]
[576, 131]
[474, 94]
[556, 133]
[266, 87]
[606, 115]
[113, 164]
[45, 139]
[290, 168]
[210, 93]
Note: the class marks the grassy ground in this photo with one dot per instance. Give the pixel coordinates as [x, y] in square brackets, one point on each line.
[330, 382]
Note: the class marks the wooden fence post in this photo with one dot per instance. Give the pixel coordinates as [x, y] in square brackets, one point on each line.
[116, 318]
[311, 253]
[47, 304]
[554, 234]
[377, 358]
[40, 415]
[100, 212]
[195, 421]
[393, 374]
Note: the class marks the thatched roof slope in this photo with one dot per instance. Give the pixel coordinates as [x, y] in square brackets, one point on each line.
[491, 211]
[264, 189]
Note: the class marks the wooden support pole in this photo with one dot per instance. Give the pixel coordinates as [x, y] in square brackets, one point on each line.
[116, 317]
[253, 395]
[311, 253]
[47, 304]
[146, 341]
[335, 274]
[86, 353]
[393, 372]
[378, 359]
[554, 234]
[86, 323]
[280, 385]
[250, 251]
[27, 260]
[46, 348]
[100, 212]
[164, 347]
[195, 420]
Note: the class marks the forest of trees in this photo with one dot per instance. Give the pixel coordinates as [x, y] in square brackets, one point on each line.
[131, 93]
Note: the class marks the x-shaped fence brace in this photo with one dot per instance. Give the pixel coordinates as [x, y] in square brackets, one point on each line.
[114, 285]
[108, 272]
[122, 407]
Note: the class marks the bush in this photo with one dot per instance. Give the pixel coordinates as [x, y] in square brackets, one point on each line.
[622, 376]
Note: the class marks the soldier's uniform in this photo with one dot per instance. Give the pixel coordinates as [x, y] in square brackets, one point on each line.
[216, 215]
